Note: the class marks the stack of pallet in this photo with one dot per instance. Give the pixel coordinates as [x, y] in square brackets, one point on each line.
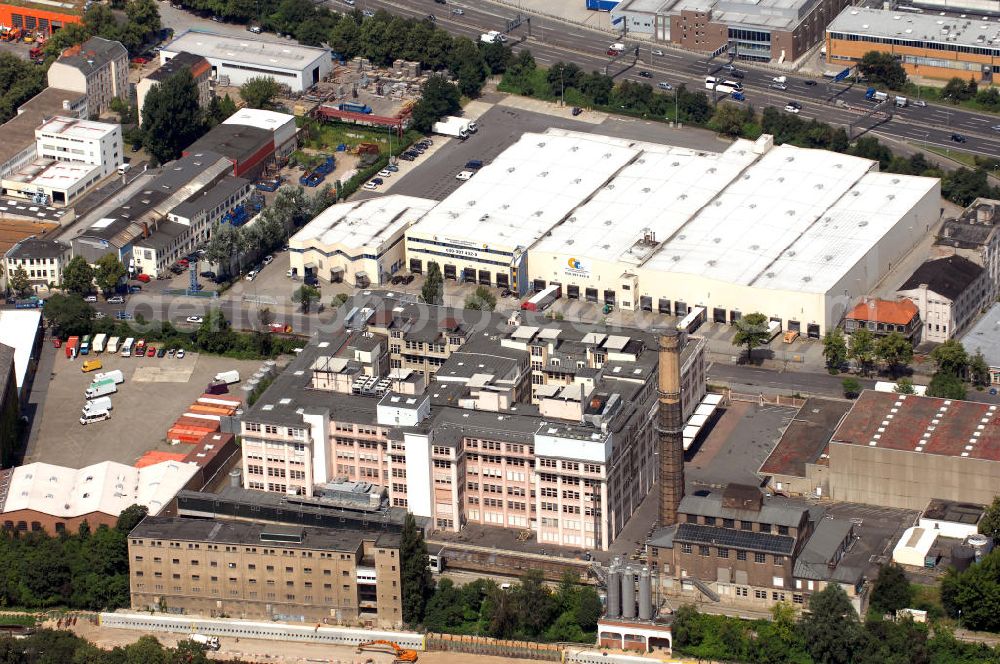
[203, 417]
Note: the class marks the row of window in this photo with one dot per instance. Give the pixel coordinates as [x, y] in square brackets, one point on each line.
[722, 552]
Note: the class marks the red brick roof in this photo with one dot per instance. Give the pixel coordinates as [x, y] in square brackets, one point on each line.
[895, 312]
[947, 427]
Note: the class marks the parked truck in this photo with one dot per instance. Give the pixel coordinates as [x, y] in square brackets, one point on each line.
[115, 375]
[71, 346]
[101, 388]
[99, 342]
[229, 377]
[112, 346]
[355, 107]
[452, 126]
[874, 95]
[773, 329]
[208, 642]
[94, 416]
[97, 405]
[85, 345]
[543, 299]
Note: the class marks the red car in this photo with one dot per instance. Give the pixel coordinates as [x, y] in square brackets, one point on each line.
[144, 278]
[150, 352]
[139, 60]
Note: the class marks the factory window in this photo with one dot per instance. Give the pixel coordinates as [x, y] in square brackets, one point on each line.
[782, 530]
[703, 551]
[742, 591]
[484, 278]
[760, 594]
[741, 555]
[722, 553]
[718, 315]
[591, 294]
[663, 305]
[779, 560]
[759, 558]
[797, 598]
[450, 272]
[646, 303]
[727, 523]
[746, 525]
[538, 285]
[609, 297]
[685, 548]
[680, 308]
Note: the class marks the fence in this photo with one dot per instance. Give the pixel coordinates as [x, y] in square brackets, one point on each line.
[481, 645]
[766, 399]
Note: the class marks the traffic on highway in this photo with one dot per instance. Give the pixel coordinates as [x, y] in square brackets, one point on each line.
[842, 103]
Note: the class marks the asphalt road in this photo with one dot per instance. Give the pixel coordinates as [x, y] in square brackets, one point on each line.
[553, 41]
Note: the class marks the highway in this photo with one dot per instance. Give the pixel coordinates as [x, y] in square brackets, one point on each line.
[553, 41]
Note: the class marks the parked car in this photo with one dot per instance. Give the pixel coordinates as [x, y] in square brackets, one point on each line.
[408, 280]
[506, 292]
[392, 168]
[116, 299]
[395, 281]
[256, 29]
[180, 353]
[91, 298]
[406, 156]
[384, 173]
[144, 278]
[161, 353]
[378, 181]
[267, 259]
[251, 275]
[194, 319]
[150, 352]
[171, 352]
[370, 186]
[208, 274]
[577, 111]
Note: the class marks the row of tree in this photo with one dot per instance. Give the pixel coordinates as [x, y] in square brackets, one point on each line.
[62, 647]
[829, 633]
[892, 350]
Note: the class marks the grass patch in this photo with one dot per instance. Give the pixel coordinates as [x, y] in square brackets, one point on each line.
[966, 159]
[928, 598]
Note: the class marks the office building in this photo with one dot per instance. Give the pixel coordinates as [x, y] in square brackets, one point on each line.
[238, 59]
[927, 45]
[42, 261]
[284, 132]
[265, 571]
[360, 242]
[19, 146]
[769, 31]
[97, 68]
[950, 293]
[536, 426]
[195, 65]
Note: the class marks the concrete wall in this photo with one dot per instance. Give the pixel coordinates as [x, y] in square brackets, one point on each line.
[894, 478]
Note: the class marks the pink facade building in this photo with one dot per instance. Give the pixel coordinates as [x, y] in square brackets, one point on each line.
[541, 427]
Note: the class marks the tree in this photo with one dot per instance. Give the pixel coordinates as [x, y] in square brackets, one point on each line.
[534, 603]
[69, 314]
[130, 518]
[851, 387]
[862, 349]
[834, 349]
[219, 110]
[467, 63]
[974, 595]
[171, 117]
[438, 99]
[958, 90]
[751, 331]
[497, 56]
[108, 272]
[729, 118]
[946, 386]
[830, 629]
[221, 247]
[892, 590]
[989, 525]
[895, 350]
[259, 92]
[417, 584]
[433, 288]
[904, 386]
[481, 300]
[883, 69]
[265, 317]
[951, 358]
[339, 299]
[305, 295]
[979, 370]
[78, 276]
[19, 282]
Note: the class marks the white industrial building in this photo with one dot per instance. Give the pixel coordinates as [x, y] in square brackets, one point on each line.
[359, 242]
[794, 233]
[281, 125]
[239, 59]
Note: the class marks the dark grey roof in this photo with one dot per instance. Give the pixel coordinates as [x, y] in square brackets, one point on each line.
[945, 276]
[33, 247]
[210, 197]
[692, 533]
[820, 557]
[949, 510]
[166, 232]
[239, 532]
[181, 61]
[235, 142]
[95, 53]
[777, 511]
[8, 377]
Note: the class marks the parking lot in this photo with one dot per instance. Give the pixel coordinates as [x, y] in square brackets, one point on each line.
[155, 392]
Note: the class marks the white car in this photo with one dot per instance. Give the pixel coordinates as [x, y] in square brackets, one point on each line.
[370, 186]
[117, 299]
[663, 85]
[251, 275]
[793, 107]
[180, 353]
[195, 319]
[657, 51]
[458, 12]
[464, 175]
[267, 259]
[90, 298]
[385, 173]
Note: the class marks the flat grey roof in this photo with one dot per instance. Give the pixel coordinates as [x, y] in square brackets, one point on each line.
[984, 336]
[240, 532]
[276, 54]
[210, 198]
[19, 131]
[33, 247]
[920, 28]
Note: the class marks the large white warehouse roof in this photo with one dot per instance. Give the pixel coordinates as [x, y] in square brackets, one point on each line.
[363, 223]
[213, 46]
[527, 189]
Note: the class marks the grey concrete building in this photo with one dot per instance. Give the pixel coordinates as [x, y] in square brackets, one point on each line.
[97, 68]
[950, 293]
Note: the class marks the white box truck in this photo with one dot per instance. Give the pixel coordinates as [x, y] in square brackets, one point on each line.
[95, 416]
[773, 330]
[229, 377]
[97, 405]
[100, 389]
[99, 342]
[115, 375]
[490, 37]
[112, 346]
[452, 126]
